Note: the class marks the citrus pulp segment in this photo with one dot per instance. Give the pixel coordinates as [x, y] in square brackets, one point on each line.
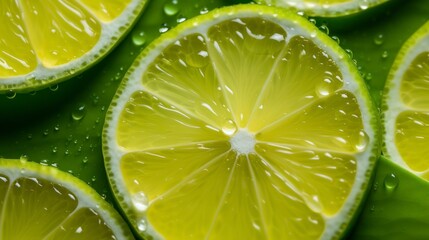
[48, 41]
[243, 123]
[325, 8]
[41, 202]
[406, 105]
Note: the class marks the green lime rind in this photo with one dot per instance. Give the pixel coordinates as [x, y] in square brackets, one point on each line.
[87, 196]
[42, 79]
[397, 206]
[355, 79]
[314, 8]
[391, 103]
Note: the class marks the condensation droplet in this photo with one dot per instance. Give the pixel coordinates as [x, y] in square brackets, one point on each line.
[140, 201]
[204, 10]
[314, 204]
[384, 54]
[23, 158]
[54, 88]
[391, 182]
[164, 28]
[362, 141]
[325, 88]
[349, 52]
[336, 39]
[379, 39]
[139, 38]
[229, 127]
[171, 8]
[10, 94]
[368, 77]
[141, 225]
[324, 28]
[79, 112]
[197, 60]
[363, 4]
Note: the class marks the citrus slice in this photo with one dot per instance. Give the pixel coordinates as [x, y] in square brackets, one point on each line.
[406, 105]
[325, 8]
[49, 204]
[243, 123]
[43, 42]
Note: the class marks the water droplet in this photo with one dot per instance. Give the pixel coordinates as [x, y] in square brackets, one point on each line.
[384, 54]
[85, 160]
[362, 141]
[46, 132]
[229, 127]
[372, 208]
[391, 182]
[10, 94]
[336, 39]
[54, 88]
[197, 60]
[349, 52]
[324, 28]
[141, 225]
[180, 19]
[325, 88]
[363, 4]
[313, 203]
[139, 38]
[57, 127]
[140, 201]
[204, 10]
[368, 77]
[94, 178]
[23, 158]
[312, 20]
[55, 149]
[375, 186]
[379, 39]
[79, 112]
[171, 8]
[164, 28]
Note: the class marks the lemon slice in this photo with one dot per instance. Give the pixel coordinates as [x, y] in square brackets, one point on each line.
[243, 123]
[325, 8]
[43, 42]
[41, 202]
[406, 105]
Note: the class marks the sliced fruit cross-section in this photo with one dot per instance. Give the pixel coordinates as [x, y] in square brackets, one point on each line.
[406, 105]
[244, 123]
[44, 42]
[41, 202]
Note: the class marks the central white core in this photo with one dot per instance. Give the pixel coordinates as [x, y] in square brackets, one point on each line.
[243, 142]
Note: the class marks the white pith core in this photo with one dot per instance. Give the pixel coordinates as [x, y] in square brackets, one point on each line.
[243, 142]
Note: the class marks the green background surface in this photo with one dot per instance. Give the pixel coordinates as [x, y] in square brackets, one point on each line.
[61, 125]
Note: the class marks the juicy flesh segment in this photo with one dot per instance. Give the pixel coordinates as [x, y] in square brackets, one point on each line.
[45, 210]
[51, 32]
[412, 132]
[184, 172]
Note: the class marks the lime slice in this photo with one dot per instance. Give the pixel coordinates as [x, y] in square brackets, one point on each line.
[325, 8]
[44, 42]
[49, 204]
[406, 105]
[243, 123]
